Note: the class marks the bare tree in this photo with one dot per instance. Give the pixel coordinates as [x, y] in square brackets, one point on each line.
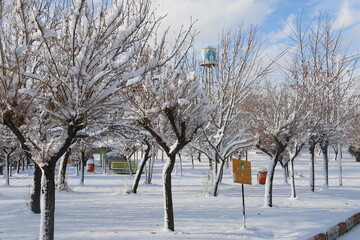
[322, 71]
[240, 69]
[69, 60]
[279, 118]
[9, 146]
[139, 140]
[170, 105]
[82, 150]
[19, 58]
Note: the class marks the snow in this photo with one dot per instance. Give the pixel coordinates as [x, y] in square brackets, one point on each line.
[183, 101]
[353, 234]
[133, 81]
[101, 210]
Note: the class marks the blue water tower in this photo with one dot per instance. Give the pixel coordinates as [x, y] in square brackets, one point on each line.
[208, 57]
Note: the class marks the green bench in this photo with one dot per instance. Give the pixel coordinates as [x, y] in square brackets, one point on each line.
[123, 168]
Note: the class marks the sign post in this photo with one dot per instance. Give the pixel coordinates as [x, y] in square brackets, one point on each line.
[242, 174]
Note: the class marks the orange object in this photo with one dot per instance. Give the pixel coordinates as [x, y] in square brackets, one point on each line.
[261, 177]
[242, 171]
[90, 167]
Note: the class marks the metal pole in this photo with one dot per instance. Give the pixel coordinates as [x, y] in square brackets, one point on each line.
[243, 195]
[243, 201]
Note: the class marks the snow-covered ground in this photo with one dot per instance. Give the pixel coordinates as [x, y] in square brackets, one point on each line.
[352, 235]
[101, 209]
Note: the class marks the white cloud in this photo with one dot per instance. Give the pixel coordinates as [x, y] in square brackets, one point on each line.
[347, 15]
[214, 15]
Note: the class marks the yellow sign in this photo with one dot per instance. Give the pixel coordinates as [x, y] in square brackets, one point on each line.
[242, 171]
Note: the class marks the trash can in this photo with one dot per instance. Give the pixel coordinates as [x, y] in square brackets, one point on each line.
[90, 165]
[15, 163]
[261, 175]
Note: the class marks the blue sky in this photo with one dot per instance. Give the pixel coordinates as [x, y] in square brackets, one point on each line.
[270, 15]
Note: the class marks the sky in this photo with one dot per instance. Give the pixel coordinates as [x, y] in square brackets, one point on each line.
[271, 16]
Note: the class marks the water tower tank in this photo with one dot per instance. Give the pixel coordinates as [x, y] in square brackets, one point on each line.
[208, 57]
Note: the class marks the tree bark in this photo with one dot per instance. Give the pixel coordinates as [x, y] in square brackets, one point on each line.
[293, 189]
[82, 165]
[168, 203]
[18, 166]
[150, 170]
[218, 178]
[312, 167]
[338, 158]
[61, 184]
[129, 165]
[23, 164]
[324, 148]
[36, 190]
[181, 168]
[340, 170]
[140, 170]
[192, 160]
[286, 173]
[269, 183]
[77, 168]
[47, 202]
[7, 169]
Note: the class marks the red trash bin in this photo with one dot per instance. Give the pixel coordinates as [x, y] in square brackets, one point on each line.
[15, 163]
[261, 176]
[90, 167]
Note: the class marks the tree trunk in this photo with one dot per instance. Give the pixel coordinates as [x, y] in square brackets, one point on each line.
[286, 173]
[216, 164]
[10, 168]
[168, 203]
[82, 165]
[218, 178]
[192, 160]
[211, 164]
[129, 165]
[47, 221]
[338, 158]
[36, 190]
[140, 170]
[312, 167]
[61, 184]
[324, 148]
[28, 161]
[77, 167]
[18, 166]
[23, 164]
[7, 169]
[181, 168]
[269, 183]
[340, 170]
[293, 190]
[150, 170]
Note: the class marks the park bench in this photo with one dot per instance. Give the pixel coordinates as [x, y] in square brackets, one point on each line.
[123, 168]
